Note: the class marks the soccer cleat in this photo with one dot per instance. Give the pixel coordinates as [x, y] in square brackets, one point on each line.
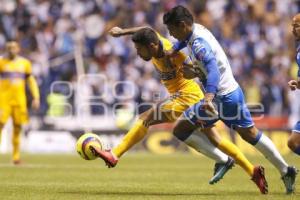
[220, 170]
[289, 179]
[259, 179]
[106, 155]
[17, 162]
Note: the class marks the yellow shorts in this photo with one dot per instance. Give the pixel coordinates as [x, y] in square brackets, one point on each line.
[18, 113]
[178, 102]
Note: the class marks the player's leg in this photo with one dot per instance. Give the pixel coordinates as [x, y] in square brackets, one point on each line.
[187, 130]
[149, 118]
[133, 136]
[199, 116]
[197, 140]
[190, 134]
[256, 172]
[138, 131]
[294, 139]
[268, 149]
[236, 114]
[5, 112]
[230, 149]
[19, 117]
[261, 142]
[16, 138]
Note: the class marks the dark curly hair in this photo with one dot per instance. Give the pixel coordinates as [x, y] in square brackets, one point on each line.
[178, 14]
[145, 37]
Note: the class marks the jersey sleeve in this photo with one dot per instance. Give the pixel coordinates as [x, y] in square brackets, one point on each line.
[28, 68]
[202, 51]
[177, 46]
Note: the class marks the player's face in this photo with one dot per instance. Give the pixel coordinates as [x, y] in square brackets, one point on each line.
[296, 29]
[12, 49]
[143, 52]
[177, 31]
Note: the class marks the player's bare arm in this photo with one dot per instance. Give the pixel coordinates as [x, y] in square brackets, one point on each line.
[34, 90]
[117, 31]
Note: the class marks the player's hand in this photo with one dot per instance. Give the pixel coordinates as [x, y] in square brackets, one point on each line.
[35, 104]
[188, 71]
[293, 84]
[208, 105]
[116, 31]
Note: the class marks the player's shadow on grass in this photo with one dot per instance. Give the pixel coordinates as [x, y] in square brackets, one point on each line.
[136, 193]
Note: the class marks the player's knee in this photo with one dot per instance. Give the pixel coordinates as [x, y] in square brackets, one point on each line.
[177, 132]
[17, 129]
[247, 138]
[147, 116]
[181, 132]
[249, 134]
[292, 144]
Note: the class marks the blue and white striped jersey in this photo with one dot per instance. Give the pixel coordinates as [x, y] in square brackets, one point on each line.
[210, 61]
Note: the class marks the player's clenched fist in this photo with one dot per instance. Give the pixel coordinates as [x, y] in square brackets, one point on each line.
[293, 84]
[35, 104]
[116, 31]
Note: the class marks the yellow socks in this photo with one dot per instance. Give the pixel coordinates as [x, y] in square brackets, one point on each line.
[230, 149]
[134, 135]
[16, 144]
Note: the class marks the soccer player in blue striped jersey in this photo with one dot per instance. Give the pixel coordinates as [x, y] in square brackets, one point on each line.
[294, 139]
[210, 64]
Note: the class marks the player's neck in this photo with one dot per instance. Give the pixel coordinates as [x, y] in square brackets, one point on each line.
[189, 33]
[160, 51]
[11, 57]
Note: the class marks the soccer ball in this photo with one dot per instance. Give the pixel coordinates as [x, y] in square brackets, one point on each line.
[83, 145]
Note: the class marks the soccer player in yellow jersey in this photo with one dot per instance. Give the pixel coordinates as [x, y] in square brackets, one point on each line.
[184, 93]
[15, 72]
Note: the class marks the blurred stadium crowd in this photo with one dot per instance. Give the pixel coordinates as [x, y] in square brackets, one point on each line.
[59, 35]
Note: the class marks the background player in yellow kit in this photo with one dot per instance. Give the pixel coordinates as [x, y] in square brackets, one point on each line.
[183, 94]
[15, 72]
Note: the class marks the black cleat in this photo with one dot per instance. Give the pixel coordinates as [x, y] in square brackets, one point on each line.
[289, 179]
[221, 169]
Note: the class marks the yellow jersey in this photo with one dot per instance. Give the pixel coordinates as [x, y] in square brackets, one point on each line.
[170, 75]
[13, 75]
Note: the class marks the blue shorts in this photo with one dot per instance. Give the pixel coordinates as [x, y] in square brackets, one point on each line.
[296, 128]
[232, 110]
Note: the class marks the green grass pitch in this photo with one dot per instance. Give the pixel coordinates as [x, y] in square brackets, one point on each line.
[137, 176]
